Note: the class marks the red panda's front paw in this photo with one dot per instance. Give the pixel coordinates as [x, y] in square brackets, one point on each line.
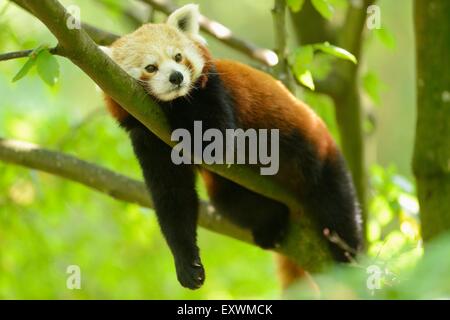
[190, 274]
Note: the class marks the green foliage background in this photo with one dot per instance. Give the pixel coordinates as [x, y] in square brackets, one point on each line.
[47, 223]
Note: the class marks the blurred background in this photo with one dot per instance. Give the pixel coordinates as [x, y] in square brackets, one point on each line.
[48, 223]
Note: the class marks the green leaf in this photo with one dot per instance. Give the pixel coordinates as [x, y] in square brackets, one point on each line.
[24, 70]
[322, 65]
[306, 79]
[371, 85]
[295, 5]
[48, 67]
[336, 51]
[325, 9]
[302, 58]
[29, 64]
[386, 37]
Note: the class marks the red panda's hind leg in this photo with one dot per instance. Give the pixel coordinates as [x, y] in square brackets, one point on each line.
[267, 219]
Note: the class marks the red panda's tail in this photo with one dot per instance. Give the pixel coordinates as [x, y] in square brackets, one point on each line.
[289, 273]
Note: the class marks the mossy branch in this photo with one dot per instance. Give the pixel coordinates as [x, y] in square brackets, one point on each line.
[106, 181]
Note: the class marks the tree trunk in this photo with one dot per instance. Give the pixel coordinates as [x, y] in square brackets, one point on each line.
[431, 161]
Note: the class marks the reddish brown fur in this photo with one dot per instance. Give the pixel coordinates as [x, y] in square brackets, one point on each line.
[115, 109]
[188, 65]
[208, 64]
[263, 102]
[290, 273]
[208, 179]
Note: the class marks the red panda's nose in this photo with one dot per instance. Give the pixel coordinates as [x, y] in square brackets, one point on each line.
[176, 78]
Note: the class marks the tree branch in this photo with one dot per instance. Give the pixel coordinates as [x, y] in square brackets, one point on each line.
[282, 70]
[310, 27]
[213, 28]
[126, 189]
[100, 36]
[303, 243]
[106, 181]
[223, 34]
[349, 111]
[15, 55]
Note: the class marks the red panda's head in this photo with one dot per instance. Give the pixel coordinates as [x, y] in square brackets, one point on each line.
[168, 58]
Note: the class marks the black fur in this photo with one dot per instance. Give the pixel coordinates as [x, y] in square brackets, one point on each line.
[328, 192]
[332, 201]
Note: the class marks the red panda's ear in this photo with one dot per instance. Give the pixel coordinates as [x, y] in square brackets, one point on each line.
[186, 19]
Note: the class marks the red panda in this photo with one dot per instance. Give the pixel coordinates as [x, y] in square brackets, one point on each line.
[173, 64]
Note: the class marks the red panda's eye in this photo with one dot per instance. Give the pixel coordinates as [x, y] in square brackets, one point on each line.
[178, 57]
[151, 68]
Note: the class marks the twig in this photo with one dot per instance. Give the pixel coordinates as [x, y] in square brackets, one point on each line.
[21, 54]
[15, 55]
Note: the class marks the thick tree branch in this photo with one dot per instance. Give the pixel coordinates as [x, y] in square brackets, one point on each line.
[223, 34]
[213, 28]
[106, 181]
[100, 36]
[303, 244]
[129, 190]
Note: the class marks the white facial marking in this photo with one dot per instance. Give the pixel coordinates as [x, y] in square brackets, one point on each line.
[171, 51]
[161, 86]
[135, 72]
[150, 59]
[196, 60]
